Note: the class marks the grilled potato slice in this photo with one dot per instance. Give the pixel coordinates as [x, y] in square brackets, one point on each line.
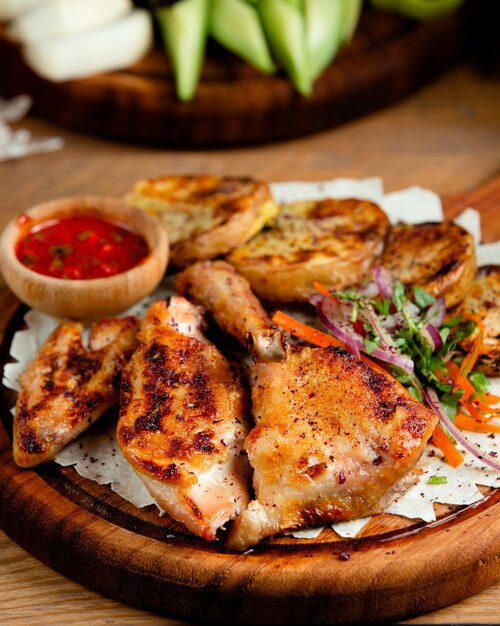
[205, 216]
[440, 257]
[330, 241]
[483, 298]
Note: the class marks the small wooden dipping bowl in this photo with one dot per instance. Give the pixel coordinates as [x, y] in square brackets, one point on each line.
[95, 297]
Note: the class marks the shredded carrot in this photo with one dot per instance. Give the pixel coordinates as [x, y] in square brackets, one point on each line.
[471, 358]
[444, 443]
[485, 408]
[319, 338]
[480, 426]
[491, 399]
[304, 331]
[466, 386]
[473, 411]
[467, 400]
[323, 290]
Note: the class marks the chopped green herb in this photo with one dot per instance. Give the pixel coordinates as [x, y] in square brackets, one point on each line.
[383, 306]
[423, 299]
[437, 480]
[370, 346]
[479, 382]
[399, 295]
[449, 402]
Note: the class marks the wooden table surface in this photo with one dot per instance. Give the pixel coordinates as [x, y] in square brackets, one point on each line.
[446, 138]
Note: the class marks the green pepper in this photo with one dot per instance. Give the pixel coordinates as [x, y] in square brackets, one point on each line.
[284, 25]
[235, 25]
[325, 22]
[419, 9]
[184, 27]
[351, 18]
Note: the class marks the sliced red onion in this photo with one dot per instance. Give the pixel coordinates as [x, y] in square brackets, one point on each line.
[354, 343]
[370, 290]
[393, 322]
[433, 401]
[384, 281]
[315, 298]
[436, 312]
[393, 357]
[412, 309]
[385, 339]
[433, 336]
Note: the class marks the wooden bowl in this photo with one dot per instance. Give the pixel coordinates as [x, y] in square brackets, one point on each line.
[92, 298]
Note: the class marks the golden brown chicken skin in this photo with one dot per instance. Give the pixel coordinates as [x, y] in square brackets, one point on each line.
[67, 387]
[182, 420]
[217, 286]
[440, 257]
[333, 436]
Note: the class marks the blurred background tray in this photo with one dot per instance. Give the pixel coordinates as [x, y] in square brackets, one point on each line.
[388, 58]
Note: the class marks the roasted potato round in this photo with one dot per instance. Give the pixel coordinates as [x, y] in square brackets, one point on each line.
[440, 257]
[205, 216]
[330, 241]
[483, 298]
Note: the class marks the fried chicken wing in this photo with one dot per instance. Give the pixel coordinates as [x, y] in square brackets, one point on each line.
[67, 387]
[218, 287]
[183, 420]
[333, 436]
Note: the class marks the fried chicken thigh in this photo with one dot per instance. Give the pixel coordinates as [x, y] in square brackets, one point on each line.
[67, 387]
[333, 436]
[182, 420]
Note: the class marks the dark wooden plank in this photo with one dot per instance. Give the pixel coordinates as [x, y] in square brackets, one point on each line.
[388, 58]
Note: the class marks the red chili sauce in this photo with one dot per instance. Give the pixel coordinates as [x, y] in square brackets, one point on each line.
[80, 247]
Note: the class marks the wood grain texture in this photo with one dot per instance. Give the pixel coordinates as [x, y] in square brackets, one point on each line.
[388, 58]
[396, 568]
[447, 138]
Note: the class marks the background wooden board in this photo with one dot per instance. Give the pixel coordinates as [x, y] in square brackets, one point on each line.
[396, 567]
[388, 58]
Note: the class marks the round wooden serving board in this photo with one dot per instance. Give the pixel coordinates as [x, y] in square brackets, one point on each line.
[388, 58]
[396, 567]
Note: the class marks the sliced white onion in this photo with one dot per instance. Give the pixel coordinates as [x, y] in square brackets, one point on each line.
[10, 9]
[58, 18]
[109, 48]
